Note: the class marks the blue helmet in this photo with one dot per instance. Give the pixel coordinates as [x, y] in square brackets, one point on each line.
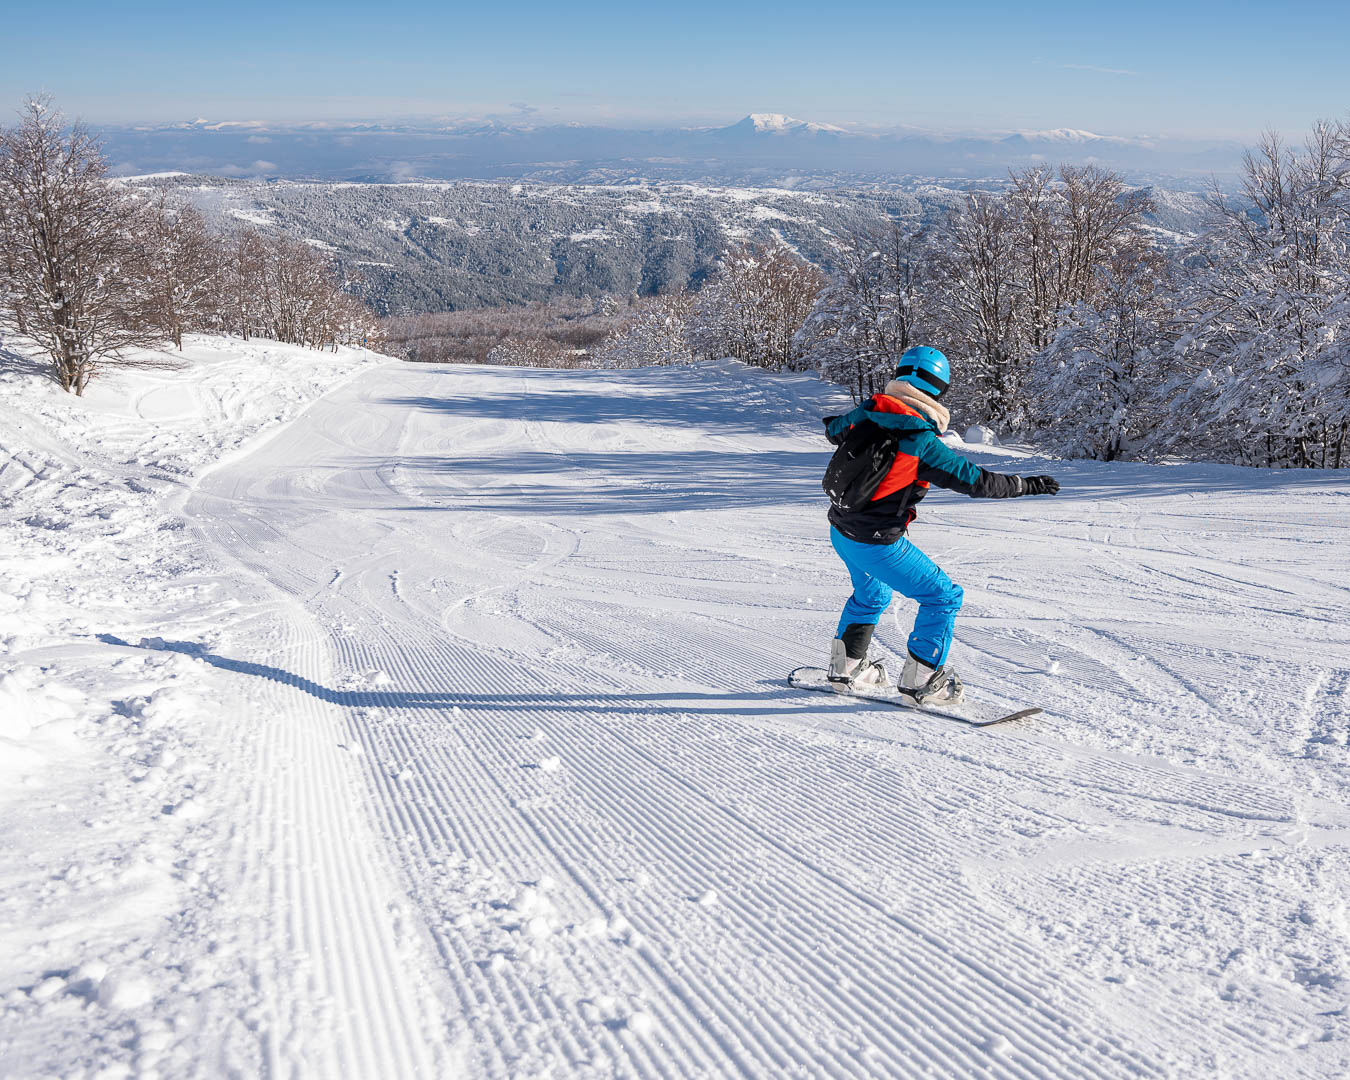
[925, 368]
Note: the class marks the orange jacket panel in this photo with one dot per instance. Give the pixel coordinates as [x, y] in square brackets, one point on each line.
[905, 471]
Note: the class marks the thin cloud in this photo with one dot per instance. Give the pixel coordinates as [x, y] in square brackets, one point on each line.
[258, 168]
[1099, 70]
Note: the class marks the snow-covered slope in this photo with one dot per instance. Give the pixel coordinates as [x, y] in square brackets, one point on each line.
[124, 934]
[486, 766]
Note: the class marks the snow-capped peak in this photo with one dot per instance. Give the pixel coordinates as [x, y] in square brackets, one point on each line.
[779, 124]
[773, 122]
[1061, 135]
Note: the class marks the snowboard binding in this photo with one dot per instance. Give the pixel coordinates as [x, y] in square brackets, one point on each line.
[943, 686]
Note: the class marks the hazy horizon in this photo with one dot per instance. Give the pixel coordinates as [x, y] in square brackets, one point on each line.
[432, 119]
[431, 123]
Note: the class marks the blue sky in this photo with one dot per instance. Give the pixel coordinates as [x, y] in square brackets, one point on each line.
[1225, 70]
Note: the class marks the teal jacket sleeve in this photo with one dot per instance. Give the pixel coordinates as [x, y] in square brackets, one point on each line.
[939, 464]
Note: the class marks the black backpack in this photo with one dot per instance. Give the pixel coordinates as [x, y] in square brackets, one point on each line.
[865, 454]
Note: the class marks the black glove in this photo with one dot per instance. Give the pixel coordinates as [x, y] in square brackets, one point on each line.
[1039, 485]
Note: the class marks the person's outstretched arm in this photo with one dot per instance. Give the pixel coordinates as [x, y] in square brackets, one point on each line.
[939, 464]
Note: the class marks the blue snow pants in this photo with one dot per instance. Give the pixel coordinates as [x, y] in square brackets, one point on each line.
[878, 571]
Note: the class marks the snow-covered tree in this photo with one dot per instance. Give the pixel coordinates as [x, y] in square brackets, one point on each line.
[1098, 389]
[871, 311]
[537, 352]
[277, 287]
[656, 333]
[185, 266]
[74, 279]
[1017, 267]
[241, 301]
[1070, 224]
[753, 307]
[1267, 299]
[976, 294]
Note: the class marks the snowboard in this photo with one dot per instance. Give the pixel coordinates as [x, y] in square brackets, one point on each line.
[973, 713]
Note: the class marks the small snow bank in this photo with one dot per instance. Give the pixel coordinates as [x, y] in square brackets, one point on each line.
[983, 440]
[979, 435]
[89, 487]
[114, 764]
[28, 702]
[38, 722]
[182, 414]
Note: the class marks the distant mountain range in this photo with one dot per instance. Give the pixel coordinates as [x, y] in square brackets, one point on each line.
[762, 148]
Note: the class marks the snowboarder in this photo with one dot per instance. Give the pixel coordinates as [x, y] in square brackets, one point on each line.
[888, 453]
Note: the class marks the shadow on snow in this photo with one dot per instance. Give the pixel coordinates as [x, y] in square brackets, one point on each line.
[677, 400]
[596, 482]
[675, 702]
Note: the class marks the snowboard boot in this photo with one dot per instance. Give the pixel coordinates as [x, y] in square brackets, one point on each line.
[849, 663]
[931, 686]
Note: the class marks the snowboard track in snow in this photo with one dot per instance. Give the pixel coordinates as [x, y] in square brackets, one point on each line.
[529, 797]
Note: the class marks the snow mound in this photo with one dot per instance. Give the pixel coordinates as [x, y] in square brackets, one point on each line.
[28, 701]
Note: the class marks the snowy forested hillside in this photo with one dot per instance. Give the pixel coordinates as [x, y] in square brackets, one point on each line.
[436, 726]
[434, 247]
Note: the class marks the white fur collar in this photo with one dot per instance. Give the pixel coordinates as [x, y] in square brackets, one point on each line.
[924, 403]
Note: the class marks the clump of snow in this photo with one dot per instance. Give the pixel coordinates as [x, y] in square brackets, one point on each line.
[89, 974]
[165, 706]
[121, 991]
[979, 435]
[187, 810]
[998, 1044]
[48, 988]
[530, 900]
[29, 701]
